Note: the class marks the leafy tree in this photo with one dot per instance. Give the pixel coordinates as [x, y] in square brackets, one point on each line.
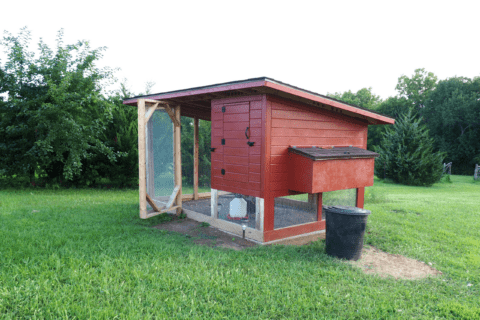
[417, 88]
[54, 113]
[406, 154]
[363, 98]
[452, 114]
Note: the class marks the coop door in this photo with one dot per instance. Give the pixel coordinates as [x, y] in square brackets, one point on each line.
[231, 134]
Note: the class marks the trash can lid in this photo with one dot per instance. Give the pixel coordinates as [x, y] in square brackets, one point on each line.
[347, 210]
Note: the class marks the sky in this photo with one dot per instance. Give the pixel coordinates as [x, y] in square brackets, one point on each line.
[321, 46]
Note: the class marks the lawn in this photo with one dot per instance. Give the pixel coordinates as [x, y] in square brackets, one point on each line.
[85, 254]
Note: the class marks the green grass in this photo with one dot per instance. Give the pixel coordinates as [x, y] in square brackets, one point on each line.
[86, 254]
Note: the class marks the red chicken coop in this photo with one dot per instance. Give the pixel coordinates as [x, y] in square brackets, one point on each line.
[278, 154]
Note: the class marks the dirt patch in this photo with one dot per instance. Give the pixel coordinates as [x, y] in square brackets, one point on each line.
[205, 235]
[374, 261]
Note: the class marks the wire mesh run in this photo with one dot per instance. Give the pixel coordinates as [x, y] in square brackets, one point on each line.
[295, 210]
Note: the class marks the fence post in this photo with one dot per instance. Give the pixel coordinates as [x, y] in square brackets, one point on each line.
[476, 173]
[447, 168]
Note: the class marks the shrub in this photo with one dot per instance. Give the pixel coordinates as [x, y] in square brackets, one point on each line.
[406, 154]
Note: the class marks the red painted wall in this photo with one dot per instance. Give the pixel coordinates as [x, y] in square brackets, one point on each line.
[274, 125]
[295, 124]
[242, 163]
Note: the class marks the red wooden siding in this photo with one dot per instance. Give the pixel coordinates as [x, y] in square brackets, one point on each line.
[329, 175]
[295, 124]
[242, 163]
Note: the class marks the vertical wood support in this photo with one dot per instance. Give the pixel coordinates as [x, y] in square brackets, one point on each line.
[259, 205]
[178, 159]
[268, 198]
[195, 158]
[319, 206]
[360, 197]
[313, 200]
[268, 213]
[149, 159]
[214, 203]
[142, 172]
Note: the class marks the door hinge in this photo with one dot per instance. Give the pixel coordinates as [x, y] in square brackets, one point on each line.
[251, 143]
[223, 171]
[212, 149]
[223, 109]
[223, 142]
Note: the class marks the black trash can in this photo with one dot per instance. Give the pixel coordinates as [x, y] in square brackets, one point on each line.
[345, 230]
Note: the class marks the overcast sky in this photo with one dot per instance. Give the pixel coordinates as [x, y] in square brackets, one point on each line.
[322, 46]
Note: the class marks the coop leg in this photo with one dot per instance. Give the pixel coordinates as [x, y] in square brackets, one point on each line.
[214, 203]
[360, 197]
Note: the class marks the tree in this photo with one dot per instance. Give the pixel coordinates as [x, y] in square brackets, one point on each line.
[417, 88]
[363, 98]
[452, 114]
[55, 112]
[406, 154]
[393, 107]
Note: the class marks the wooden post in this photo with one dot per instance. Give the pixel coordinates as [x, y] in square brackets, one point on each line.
[319, 206]
[268, 213]
[312, 201]
[360, 197]
[195, 158]
[259, 213]
[142, 172]
[214, 204]
[149, 159]
[178, 158]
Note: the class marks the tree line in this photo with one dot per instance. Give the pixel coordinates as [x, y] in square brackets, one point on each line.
[445, 113]
[60, 125]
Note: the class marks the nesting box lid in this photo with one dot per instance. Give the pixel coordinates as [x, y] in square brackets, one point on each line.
[315, 153]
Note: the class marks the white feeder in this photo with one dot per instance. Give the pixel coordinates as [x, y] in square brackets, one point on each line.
[238, 208]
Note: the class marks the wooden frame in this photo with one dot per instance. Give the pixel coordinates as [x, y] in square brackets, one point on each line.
[195, 158]
[146, 108]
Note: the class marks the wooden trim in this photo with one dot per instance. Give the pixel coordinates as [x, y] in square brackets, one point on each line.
[153, 214]
[176, 122]
[195, 157]
[150, 168]
[293, 231]
[172, 197]
[269, 200]
[152, 204]
[177, 158]
[360, 202]
[150, 112]
[193, 92]
[259, 205]
[155, 101]
[226, 226]
[300, 239]
[202, 195]
[142, 172]
[214, 204]
[336, 104]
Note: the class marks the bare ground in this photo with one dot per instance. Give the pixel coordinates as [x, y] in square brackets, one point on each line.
[373, 261]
